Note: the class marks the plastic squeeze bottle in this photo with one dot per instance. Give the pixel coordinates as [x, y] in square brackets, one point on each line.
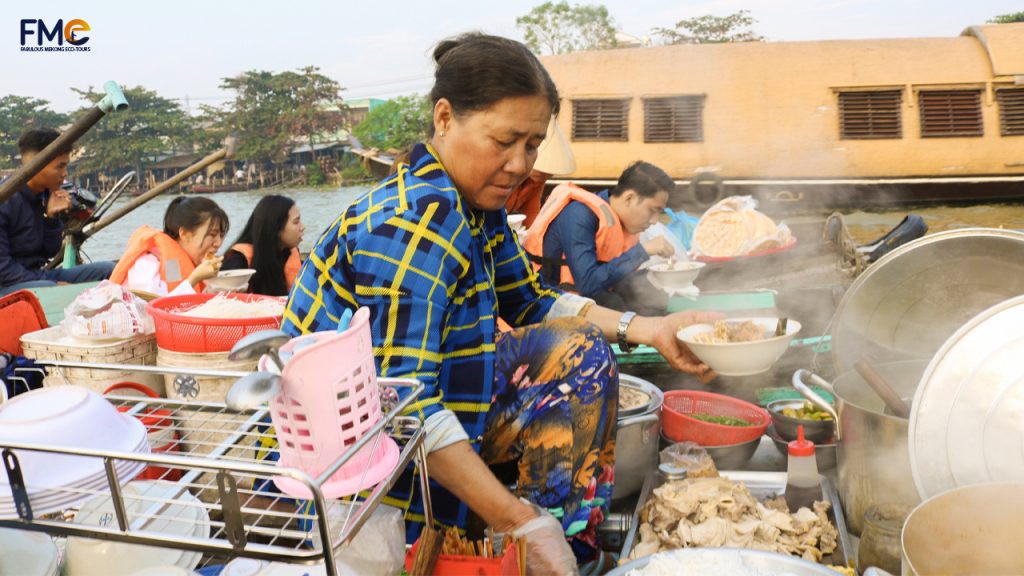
[803, 487]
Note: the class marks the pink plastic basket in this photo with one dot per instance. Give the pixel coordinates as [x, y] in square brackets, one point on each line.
[680, 426]
[329, 399]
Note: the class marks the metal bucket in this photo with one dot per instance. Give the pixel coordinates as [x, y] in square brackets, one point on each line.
[874, 459]
[971, 530]
[636, 439]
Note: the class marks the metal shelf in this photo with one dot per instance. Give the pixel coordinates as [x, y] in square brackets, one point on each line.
[218, 457]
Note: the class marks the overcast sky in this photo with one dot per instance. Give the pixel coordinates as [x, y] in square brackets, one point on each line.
[181, 49]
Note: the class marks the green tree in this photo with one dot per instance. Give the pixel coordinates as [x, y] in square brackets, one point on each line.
[20, 113]
[711, 30]
[152, 126]
[557, 28]
[397, 123]
[1008, 18]
[271, 112]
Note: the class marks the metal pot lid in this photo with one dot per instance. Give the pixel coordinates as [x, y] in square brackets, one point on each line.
[965, 421]
[655, 396]
[908, 303]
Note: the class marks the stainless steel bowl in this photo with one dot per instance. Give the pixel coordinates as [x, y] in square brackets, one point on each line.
[817, 431]
[733, 456]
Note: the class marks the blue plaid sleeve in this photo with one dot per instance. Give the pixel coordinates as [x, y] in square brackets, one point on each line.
[522, 297]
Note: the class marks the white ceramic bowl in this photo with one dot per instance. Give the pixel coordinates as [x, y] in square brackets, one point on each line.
[741, 358]
[185, 517]
[25, 552]
[515, 221]
[680, 275]
[230, 280]
[65, 416]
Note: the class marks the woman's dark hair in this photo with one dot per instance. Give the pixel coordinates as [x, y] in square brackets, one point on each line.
[262, 231]
[474, 71]
[645, 179]
[190, 213]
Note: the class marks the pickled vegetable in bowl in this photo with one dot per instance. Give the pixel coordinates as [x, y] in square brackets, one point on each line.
[807, 412]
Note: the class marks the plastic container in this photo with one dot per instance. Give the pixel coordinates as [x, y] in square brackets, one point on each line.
[803, 487]
[329, 399]
[55, 344]
[452, 565]
[179, 333]
[679, 425]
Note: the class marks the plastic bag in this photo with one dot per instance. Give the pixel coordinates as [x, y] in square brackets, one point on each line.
[691, 457]
[659, 229]
[682, 226]
[107, 311]
[733, 227]
[378, 548]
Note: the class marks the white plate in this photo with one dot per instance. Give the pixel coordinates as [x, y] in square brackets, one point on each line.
[186, 517]
[965, 421]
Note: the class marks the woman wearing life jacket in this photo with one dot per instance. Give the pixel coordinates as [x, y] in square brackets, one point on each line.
[176, 260]
[588, 243]
[269, 243]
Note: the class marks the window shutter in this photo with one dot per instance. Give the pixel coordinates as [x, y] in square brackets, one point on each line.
[950, 113]
[674, 119]
[1011, 111]
[870, 115]
[605, 119]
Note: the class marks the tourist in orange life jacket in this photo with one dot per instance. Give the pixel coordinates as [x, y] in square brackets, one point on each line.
[269, 243]
[178, 259]
[589, 243]
[554, 158]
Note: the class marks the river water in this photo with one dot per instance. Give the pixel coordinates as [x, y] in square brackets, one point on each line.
[321, 207]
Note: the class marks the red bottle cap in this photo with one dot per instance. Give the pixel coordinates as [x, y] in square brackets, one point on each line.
[801, 446]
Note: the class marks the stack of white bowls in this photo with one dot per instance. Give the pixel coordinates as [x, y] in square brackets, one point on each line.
[155, 507]
[24, 552]
[73, 417]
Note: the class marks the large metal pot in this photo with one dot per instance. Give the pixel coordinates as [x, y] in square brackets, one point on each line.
[636, 439]
[874, 460]
[969, 530]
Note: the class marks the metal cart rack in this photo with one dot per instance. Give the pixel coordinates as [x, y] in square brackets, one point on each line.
[219, 457]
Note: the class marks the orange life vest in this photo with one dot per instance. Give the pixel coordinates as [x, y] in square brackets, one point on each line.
[611, 241]
[148, 240]
[291, 266]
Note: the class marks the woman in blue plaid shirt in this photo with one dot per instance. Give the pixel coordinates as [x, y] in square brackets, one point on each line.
[429, 252]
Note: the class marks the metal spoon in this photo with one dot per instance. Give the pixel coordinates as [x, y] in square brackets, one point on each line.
[780, 328]
[252, 391]
[259, 343]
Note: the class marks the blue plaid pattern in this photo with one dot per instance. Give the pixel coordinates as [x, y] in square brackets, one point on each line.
[435, 275]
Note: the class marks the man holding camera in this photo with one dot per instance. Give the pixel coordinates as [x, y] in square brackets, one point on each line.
[30, 228]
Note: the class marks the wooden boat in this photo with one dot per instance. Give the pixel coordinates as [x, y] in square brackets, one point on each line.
[377, 163]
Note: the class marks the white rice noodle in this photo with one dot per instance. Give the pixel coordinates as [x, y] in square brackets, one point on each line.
[222, 306]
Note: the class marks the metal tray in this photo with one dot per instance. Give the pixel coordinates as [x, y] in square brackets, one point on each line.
[761, 485]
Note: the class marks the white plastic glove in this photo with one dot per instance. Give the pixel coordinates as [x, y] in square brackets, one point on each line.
[547, 552]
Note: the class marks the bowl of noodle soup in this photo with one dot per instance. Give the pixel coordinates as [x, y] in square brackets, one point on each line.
[739, 346]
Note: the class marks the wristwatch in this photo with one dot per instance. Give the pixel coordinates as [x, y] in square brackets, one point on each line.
[620, 333]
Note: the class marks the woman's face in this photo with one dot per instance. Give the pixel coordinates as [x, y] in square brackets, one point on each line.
[205, 239]
[488, 153]
[291, 234]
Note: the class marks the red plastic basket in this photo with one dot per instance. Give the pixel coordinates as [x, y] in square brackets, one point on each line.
[179, 333]
[679, 426]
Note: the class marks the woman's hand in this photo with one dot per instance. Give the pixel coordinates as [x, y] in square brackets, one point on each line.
[208, 268]
[663, 338]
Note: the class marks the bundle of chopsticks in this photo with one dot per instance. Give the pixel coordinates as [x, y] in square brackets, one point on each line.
[454, 544]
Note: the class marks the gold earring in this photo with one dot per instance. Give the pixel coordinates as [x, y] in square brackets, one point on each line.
[443, 133]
